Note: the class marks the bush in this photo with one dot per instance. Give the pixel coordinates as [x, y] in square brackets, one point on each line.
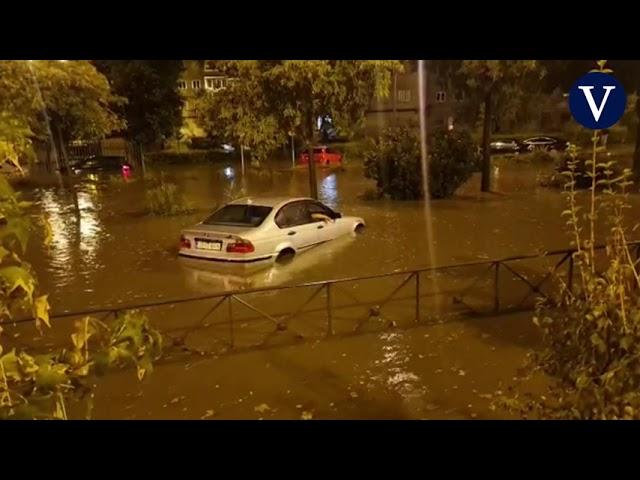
[580, 168]
[591, 329]
[542, 156]
[454, 157]
[393, 161]
[163, 198]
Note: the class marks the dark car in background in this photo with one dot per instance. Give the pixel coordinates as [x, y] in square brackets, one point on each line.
[505, 146]
[100, 163]
[543, 143]
[213, 144]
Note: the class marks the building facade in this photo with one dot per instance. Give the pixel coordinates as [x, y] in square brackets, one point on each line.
[402, 106]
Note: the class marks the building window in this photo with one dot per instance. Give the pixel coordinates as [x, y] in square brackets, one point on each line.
[182, 85]
[404, 96]
[214, 83]
[441, 97]
[195, 84]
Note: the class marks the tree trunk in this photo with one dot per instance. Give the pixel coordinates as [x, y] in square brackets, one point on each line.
[395, 98]
[138, 156]
[144, 167]
[62, 153]
[242, 158]
[56, 150]
[485, 185]
[313, 183]
[636, 152]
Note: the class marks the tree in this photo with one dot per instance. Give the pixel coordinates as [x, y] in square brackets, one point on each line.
[54, 101]
[153, 111]
[303, 90]
[271, 99]
[241, 113]
[485, 78]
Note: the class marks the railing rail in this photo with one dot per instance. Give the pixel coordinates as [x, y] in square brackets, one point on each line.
[281, 321]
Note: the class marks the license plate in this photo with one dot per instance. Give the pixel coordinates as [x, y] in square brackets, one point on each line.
[215, 245]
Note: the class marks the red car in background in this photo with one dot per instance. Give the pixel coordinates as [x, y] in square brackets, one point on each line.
[322, 156]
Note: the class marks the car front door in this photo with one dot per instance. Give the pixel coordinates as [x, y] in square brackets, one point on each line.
[294, 221]
[323, 218]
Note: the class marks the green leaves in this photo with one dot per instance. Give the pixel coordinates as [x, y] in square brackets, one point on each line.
[50, 376]
[273, 99]
[41, 310]
[16, 278]
[393, 160]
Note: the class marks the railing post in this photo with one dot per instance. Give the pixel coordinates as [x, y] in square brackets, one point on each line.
[231, 339]
[496, 293]
[417, 274]
[329, 318]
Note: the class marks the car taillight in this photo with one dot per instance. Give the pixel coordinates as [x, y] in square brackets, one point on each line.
[184, 242]
[240, 246]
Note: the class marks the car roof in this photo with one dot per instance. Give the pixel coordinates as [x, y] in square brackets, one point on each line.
[267, 201]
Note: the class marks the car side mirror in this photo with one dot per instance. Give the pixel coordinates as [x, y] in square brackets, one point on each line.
[336, 215]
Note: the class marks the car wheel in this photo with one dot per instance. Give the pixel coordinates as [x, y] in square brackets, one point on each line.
[359, 229]
[285, 256]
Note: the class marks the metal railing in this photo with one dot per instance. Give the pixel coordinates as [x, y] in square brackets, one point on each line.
[346, 306]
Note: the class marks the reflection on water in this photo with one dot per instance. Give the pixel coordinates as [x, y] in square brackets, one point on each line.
[89, 226]
[391, 372]
[61, 252]
[76, 231]
[206, 277]
[329, 190]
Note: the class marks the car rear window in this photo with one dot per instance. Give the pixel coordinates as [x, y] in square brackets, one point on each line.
[239, 215]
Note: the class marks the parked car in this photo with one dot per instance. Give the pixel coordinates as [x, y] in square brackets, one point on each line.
[208, 143]
[100, 164]
[545, 143]
[265, 229]
[322, 156]
[505, 146]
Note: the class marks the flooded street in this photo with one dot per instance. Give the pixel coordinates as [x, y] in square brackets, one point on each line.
[107, 251]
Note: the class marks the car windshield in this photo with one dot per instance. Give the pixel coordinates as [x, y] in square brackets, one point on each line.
[239, 215]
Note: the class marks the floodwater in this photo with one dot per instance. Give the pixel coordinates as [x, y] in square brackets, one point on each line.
[106, 251]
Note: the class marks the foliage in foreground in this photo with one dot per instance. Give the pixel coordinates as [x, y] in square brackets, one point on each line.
[576, 162]
[41, 383]
[393, 161]
[591, 330]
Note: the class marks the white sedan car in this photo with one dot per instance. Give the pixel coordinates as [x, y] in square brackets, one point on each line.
[262, 229]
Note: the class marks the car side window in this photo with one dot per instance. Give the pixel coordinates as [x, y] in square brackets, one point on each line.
[293, 215]
[317, 211]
